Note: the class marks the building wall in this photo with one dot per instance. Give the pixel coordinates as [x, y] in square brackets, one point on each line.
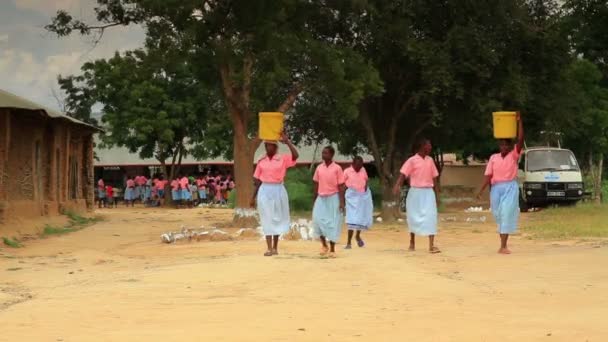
[47, 166]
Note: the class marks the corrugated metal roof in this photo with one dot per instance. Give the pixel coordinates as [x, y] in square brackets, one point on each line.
[12, 101]
[120, 156]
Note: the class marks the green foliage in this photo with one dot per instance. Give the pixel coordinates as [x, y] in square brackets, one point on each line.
[582, 221]
[300, 189]
[51, 230]
[376, 188]
[78, 220]
[13, 243]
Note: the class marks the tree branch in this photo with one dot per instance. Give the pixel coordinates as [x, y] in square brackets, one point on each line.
[291, 98]
[371, 139]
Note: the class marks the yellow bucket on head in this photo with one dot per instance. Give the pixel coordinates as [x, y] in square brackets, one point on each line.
[270, 125]
[505, 125]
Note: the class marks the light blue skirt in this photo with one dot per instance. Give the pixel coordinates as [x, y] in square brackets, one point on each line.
[186, 195]
[129, 194]
[202, 194]
[504, 200]
[273, 208]
[326, 217]
[137, 192]
[101, 194]
[147, 193]
[176, 195]
[421, 209]
[359, 209]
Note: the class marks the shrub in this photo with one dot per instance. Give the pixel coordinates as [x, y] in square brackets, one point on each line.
[13, 243]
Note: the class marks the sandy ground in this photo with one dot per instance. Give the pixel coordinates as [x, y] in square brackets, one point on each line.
[115, 281]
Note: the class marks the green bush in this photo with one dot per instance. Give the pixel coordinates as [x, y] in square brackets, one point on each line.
[376, 188]
[232, 199]
[13, 243]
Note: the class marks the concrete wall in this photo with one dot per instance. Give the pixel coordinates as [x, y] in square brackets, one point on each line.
[46, 165]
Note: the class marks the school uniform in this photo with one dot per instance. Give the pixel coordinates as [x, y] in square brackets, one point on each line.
[272, 199]
[421, 203]
[326, 216]
[185, 189]
[359, 204]
[101, 190]
[175, 193]
[504, 193]
[160, 187]
[130, 190]
[202, 191]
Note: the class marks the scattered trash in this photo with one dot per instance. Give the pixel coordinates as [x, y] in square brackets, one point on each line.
[476, 219]
[379, 219]
[473, 210]
[449, 219]
[400, 220]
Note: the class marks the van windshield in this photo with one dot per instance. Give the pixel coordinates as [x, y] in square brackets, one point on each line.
[551, 160]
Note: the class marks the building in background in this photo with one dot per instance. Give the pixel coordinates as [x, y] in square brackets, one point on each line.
[46, 160]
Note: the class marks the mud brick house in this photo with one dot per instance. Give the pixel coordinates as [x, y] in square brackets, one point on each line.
[46, 160]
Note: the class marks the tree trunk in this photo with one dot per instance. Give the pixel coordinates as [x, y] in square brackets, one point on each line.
[595, 171]
[244, 151]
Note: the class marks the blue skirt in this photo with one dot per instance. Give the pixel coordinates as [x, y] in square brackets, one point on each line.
[160, 193]
[202, 194]
[326, 217]
[504, 200]
[137, 192]
[421, 209]
[129, 194]
[101, 194]
[147, 193]
[273, 208]
[359, 209]
[176, 195]
[186, 195]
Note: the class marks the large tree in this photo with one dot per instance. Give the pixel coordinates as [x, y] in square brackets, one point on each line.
[263, 55]
[445, 65]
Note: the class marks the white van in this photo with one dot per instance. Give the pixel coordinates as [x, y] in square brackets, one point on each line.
[549, 175]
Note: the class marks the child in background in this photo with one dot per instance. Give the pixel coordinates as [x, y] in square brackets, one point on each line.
[201, 184]
[359, 204]
[101, 193]
[110, 196]
[211, 190]
[184, 186]
[423, 196]
[194, 193]
[160, 184]
[175, 192]
[130, 192]
[148, 192]
[329, 202]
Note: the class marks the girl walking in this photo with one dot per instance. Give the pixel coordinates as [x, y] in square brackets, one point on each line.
[130, 192]
[423, 196]
[359, 204]
[501, 174]
[270, 194]
[329, 202]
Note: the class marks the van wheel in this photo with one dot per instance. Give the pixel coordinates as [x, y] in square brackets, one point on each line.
[523, 205]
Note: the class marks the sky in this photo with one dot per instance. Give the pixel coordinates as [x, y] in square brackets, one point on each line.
[31, 58]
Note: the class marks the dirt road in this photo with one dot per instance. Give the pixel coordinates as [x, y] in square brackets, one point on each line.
[115, 281]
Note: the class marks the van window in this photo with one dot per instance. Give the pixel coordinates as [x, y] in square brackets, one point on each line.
[551, 160]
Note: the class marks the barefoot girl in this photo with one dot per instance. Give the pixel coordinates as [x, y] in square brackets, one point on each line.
[423, 195]
[270, 194]
[501, 173]
[359, 204]
[329, 202]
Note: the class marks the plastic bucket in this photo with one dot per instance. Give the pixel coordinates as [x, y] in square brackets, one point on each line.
[270, 125]
[505, 125]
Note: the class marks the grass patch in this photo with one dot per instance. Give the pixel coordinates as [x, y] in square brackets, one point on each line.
[582, 221]
[50, 230]
[13, 243]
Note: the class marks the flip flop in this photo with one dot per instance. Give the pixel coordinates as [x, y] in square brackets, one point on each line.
[348, 247]
[434, 250]
[360, 243]
[268, 253]
[275, 252]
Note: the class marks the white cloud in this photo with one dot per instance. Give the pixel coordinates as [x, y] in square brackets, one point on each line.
[3, 38]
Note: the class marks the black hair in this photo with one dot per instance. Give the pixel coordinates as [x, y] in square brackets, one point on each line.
[419, 143]
[331, 150]
[357, 158]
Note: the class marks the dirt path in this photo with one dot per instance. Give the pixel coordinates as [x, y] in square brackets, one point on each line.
[115, 281]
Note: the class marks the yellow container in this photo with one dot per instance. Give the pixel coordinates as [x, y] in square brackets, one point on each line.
[270, 125]
[505, 125]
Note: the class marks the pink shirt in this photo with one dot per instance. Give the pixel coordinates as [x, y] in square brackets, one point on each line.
[130, 183]
[160, 184]
[329, 178]
[355, 180]
[201, 183]
[420, 171]
[503, 169]
[141, 180]
[273, 170]
[174, 185]
[183, 183]
[101, 185]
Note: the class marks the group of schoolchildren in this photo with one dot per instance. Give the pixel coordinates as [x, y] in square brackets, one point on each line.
[344, 194]
[185, 191]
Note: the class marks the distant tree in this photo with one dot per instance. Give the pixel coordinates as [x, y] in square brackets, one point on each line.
[445, 66]
[152, 104]
[262, 55]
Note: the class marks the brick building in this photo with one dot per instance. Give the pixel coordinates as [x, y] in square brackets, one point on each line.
[46, 160]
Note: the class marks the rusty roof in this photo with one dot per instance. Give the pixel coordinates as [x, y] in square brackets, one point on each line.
[12, 101]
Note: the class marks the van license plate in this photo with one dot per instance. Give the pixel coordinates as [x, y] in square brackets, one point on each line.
[556, 193]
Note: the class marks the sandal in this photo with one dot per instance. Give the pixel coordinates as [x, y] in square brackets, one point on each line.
[348, 247]
[275, 252]
[360, 243]
[434, 250]
[268, 253]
